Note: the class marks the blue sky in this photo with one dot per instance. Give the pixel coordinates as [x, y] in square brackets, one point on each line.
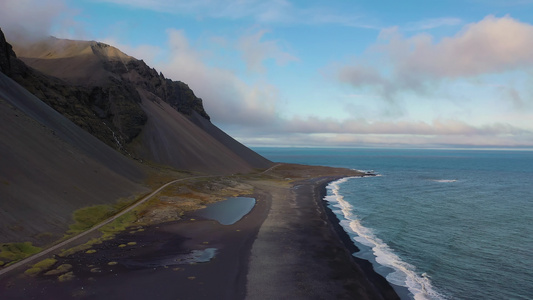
[325, 73]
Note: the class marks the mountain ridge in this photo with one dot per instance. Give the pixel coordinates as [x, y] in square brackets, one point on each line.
[66, 145]
[105, 97]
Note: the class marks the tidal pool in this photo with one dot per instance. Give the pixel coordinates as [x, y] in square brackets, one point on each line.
[228, 211]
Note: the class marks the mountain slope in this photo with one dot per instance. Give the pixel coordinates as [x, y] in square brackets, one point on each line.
[149, 117]
[45, 178]
[59, 136]
[50, 167]
[163, 137]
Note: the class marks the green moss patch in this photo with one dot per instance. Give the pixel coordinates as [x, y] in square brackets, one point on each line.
[87, 217]
[41, 266]
[64, 268]
[81, 247]
[13, 252]
[66, 277]
[119, 224]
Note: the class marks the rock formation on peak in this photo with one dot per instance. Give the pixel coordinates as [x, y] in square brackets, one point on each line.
[90, 63]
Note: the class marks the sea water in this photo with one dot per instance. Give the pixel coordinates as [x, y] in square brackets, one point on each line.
[445, 224]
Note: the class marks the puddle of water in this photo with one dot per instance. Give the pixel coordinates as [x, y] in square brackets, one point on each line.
[228, 211]
[195, 256]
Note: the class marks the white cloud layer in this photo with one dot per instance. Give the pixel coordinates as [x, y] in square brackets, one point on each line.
[228, 99]
[362, 126]
[34, 19]
[490, 46]
[255, 51]
[260, 11]
[440, 133]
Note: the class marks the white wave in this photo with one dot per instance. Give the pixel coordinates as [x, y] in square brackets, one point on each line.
[367, 172]
[444, 180]
[404, 273]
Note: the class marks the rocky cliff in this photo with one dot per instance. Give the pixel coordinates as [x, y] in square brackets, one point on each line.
[110, 95]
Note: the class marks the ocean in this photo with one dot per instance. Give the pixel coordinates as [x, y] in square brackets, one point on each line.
[443, 224]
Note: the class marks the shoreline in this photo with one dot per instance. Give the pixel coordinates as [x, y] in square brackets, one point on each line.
[289, 245]
[378, 281]
[303, 251]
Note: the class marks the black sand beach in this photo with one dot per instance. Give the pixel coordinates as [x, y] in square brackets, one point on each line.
[299, 251]
[289, 246]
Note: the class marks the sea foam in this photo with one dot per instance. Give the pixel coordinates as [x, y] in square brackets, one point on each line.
[402, 274]
[444, 180]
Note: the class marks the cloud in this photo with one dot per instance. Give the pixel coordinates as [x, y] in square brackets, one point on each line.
[255, 51]
[148, 53]
[362, 126]
[33, 19]
[264, 12]
[314, 131]
[490, 46]
[228, 99]
[516, 98]
[431, 23]
[249, 111]
[370, 140]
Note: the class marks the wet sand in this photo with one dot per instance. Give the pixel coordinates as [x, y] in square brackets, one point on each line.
[300, 252]
[288, 247]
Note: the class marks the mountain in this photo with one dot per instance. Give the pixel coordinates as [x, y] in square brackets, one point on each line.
[133, 108]
[81, 123]
[49, 167]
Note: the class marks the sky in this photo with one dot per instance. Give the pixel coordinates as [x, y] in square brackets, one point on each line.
[370, 73]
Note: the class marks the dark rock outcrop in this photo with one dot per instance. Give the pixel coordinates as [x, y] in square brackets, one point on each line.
[175, 93]
[6, 52]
